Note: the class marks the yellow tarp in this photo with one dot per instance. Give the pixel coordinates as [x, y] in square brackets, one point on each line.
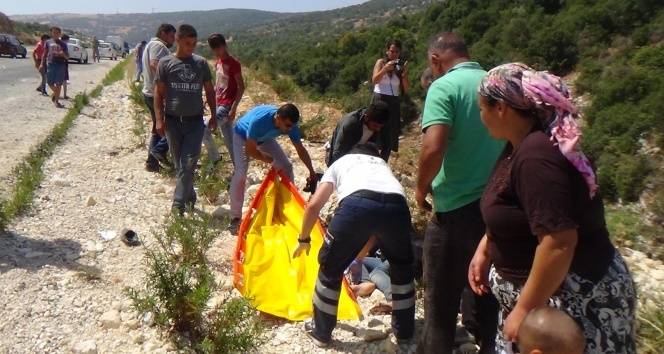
[265, 271]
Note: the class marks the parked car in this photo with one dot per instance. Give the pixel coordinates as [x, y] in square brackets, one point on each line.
[10, 45]
[77, 51]
[106, 50]
[117, 40]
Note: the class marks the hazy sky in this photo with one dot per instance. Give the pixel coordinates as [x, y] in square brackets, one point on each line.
[23, 7]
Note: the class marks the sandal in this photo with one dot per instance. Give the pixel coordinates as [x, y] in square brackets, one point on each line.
[66, 97]
[59, 105]
[53, 97]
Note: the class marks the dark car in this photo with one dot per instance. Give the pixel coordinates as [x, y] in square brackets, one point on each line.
[10, 45]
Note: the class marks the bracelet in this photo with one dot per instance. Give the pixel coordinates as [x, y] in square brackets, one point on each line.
[307, 240]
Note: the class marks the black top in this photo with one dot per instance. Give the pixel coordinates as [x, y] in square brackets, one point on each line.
[347, 134]
[533, 191]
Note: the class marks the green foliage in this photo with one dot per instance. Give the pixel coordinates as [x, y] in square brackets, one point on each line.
[650, 329]
[627, 228]
[312, 129]
[180, 286]
[285, 88]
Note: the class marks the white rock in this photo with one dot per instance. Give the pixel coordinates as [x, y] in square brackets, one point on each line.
[371, 334]
[132, 324]
[60, 181]
[110, 319]
[85, 347]
[656, 274]
[160, 190]
[251, 191]
[138, 338]
[221, 212]
[387, 346]
[90, 201]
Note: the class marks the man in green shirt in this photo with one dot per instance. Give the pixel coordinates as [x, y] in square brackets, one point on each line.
[456, 159]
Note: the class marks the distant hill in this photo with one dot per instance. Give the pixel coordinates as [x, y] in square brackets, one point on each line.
[136, 27]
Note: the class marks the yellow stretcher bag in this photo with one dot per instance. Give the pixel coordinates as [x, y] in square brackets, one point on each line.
[264, 270]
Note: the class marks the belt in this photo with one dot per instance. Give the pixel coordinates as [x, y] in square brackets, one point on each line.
[379, 197]
[185, 118]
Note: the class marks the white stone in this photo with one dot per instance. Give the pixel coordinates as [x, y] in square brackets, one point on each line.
[372, 334]
[110, 319]
[160, 190]
[657, 274]
[85, 347]
[221, 212]
[138, 338]
[387, 346]
[90, 201]
[60, 182]
[132, 324]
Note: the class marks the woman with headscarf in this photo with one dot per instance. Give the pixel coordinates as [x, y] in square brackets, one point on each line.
[390, 78]
[547, 241]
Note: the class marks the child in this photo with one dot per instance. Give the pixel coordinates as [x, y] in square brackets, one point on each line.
[547, 330]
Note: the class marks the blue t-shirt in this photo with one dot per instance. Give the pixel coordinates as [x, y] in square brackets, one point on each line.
[258, 124]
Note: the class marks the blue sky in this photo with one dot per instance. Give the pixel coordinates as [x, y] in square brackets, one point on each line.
[24, 7]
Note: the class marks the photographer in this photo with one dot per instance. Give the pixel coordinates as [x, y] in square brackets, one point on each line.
[390, 77]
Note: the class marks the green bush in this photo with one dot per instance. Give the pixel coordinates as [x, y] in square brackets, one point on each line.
[179, 287]
[284, 88]
[630, 175]
[650, 329]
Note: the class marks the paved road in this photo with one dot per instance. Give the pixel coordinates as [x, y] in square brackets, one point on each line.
[26, 117]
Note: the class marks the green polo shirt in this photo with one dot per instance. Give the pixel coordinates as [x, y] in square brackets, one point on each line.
[471, 152]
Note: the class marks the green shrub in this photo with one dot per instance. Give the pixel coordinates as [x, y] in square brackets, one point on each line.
[284, 88]
[631, 172]
[180, 285]
[312, 129]
[650, 329]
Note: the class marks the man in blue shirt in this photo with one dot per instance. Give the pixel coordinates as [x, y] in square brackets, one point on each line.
[255, 136]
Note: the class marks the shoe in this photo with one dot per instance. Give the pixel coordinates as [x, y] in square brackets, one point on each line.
[310, 331]
[162, 158]
[38, 89]
[234, 226]
[152, 167]
[129, 237]
[66, 97]
[404, 341]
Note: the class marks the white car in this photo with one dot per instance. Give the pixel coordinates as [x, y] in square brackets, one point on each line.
[106, 50]
[77, 51]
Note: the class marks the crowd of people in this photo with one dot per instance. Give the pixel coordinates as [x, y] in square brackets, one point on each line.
[517, 240]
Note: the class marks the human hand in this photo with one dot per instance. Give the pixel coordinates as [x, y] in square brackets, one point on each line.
[389, 67]
[231, 115]
[301, 248]
[160, 127]
[421, 199]
[478, 272]
[212, 124]
[405, 69]
[512, 323]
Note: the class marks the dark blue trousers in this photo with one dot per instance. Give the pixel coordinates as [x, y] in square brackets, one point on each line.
[354, 222]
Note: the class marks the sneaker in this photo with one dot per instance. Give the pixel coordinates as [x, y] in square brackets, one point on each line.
[162, 158]
[152, 167]
[234, 226]
[129, 237]
[310, 331]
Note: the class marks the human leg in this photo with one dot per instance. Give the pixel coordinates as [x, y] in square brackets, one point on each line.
[186, 139]
[157, 144]
[210, 146]
[226, 128]
[239, 180]
[271, 148]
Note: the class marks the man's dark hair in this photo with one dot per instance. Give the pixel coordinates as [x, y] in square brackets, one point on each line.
[216, 40]
[290, 112]
[378, 112]
[366, 149]
[65, 37]
[45, 37]
[449, 41]
[186, 31]
[165, 28]
[56, 28]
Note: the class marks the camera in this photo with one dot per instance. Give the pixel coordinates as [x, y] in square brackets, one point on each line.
[398, 66]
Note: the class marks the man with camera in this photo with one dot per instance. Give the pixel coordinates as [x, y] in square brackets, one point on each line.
[357, 127]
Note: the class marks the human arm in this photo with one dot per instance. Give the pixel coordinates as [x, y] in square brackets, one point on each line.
[365, 250]
[159, 97]
[380, 69]
[553, 258]
[65, 51]
[345, 138]
[211, 102]
[430, 160]
[404, 77]
[311, 212]
[478, 271]
[238, 96]
[44, 56]
[251, 148]
[306, 159]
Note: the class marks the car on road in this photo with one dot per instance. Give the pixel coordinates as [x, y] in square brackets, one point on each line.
[77, 51]
[107, 50]
[10, 45]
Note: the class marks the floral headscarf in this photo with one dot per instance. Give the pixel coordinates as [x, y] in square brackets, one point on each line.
[546, 96]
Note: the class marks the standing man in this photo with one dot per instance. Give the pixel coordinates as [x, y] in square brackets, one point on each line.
[255, 136]
[138, 53]
[56, 54]
[372, 203]
[454, 165]
[95, 49]
[65, 38]
[180, 79]
[156, 49]
[38, 57]
[229, 88]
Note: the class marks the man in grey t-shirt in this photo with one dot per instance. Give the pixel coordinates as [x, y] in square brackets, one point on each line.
[156, 49]
[179, 83]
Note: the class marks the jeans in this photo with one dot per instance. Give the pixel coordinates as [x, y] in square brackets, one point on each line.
[354, 222]
[185, 140]
[269, 147]
[226, 129]
[375, 270]
[450, 241]
[139, 70]
[42, 73]
[157, 144]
